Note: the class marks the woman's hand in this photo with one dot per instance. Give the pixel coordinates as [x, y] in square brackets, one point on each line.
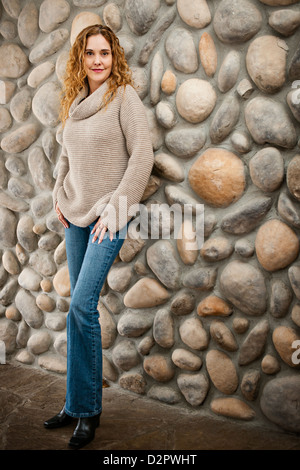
[61, 217]
[99, 231]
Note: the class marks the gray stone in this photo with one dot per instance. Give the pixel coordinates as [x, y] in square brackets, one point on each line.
[254, 344]
[15, 205]
[293, 100]
[163, 262]
[224, 119]
[8, 225]
[112, 17]
[294, 67]
[49, 145]
[223, 336]
[186, 142]
[181, 50]
[49, 241]
[269, 123]
[134, 323]
[285, 21]
[279, 402]
[20, 106]
[246, 217]
[281, 297]
[7, 294]
[40, 169]
[163, 328]
[28, 24]
[53, 42]
[20, 139]
[12, 7]
[46, 104]
[267, 169]
[288, 210]
[25, 303]
[165, 114]
[236, 21]
[5, 120]
[26, 237]
[250, 384]
[193, 387]
[202, 279]
[133, 382]
[125, 355]
[229, 71]
[41, 205]
[155, 35]
[8, 333]
[193, 334]
[183, 303]
[39, 342]
[216, 249]
[164, 394]
[3, 174]
[52, 14]
[15, 165]
[141, 14]
[8, 30]
[244, 286]
[43, 263]
[186, 360]
[14, 62]
[40, 73]
[19, 188]
[29, 279]
[119, 277]
[292, 177]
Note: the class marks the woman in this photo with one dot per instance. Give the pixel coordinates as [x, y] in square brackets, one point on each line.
[106, 159]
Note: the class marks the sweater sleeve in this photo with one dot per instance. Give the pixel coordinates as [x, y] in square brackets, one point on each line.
[63, 168]
[131, 188]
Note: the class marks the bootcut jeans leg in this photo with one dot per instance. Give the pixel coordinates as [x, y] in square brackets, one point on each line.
[88, 265]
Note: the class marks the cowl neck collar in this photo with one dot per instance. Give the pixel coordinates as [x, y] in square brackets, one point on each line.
[85, 106]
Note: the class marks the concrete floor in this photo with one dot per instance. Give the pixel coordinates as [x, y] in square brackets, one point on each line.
[129, 422]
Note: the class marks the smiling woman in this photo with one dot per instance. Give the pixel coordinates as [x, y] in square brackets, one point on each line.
[107, 156]
[97, 61]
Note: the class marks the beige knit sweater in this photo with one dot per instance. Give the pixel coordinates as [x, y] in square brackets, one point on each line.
[107, 158]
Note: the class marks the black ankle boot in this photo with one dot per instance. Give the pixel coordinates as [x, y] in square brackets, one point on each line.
[84, 431]
[59, 420]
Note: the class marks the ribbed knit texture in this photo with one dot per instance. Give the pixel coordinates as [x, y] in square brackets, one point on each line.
[106, 159]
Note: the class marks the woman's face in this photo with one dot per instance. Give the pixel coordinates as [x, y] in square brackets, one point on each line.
[97, 61]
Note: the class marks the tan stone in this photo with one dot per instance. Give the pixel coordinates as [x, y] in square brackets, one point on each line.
[194, 13]
[46, 303]
[213, 306]
[193, 334]
[168, 82]
[232, 408]
[266, 63]
[218, 177]
[222, 371]
[208, 54]
[146, 292]
[61, 282]
[223, 336]
[159, 368]
[284, 339]
[12, 313]
[270, 364]
[195, 100]
[276, 245]
[81, 21]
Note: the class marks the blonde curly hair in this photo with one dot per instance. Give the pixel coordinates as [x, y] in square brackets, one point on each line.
[75, 77]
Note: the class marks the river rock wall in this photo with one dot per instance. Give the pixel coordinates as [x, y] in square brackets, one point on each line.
[215, 329]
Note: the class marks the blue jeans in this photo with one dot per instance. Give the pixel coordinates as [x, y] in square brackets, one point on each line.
[88, 265]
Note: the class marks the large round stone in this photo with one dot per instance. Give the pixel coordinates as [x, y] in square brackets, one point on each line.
[218, 177]
[244, 286]
[236, 21]
[81, 21]
[269, 123]
[279, 402]
[181, 50]
[46, 104]
[276, 245]
[195, 100]
[14, 62]
[266, 63]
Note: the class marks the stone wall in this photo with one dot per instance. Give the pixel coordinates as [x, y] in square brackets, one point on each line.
[215, 329]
